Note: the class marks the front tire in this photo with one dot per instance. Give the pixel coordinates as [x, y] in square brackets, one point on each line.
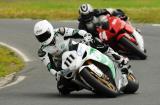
[133, 48]
[132, 85]
[100, 85]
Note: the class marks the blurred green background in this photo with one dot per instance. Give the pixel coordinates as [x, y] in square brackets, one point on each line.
[146, 11]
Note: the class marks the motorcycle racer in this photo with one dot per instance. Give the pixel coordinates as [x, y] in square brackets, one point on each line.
[55, 41]
[89, 17]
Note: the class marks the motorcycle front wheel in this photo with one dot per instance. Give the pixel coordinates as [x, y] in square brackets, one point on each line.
[132, 85]
[101, 85]
[133, 48]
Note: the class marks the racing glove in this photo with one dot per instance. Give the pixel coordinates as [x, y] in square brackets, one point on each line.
[88, 38]
[123, 60]
[124, 65]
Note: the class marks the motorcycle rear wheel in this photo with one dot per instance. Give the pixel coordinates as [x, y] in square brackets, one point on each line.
[101, 86]
[133, 48]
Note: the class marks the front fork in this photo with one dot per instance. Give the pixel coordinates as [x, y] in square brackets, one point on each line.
[138, 39]
[120, 79]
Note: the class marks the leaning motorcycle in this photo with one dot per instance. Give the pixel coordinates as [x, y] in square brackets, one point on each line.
[122, 37]
[96, 72]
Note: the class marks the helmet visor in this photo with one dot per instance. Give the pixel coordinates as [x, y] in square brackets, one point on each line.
[43, 37]
[87, 17]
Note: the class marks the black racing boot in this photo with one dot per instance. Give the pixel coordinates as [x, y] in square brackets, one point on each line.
[125, 69]
[66, 86]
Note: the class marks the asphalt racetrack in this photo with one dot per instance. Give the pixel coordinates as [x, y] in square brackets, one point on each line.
[39, 86]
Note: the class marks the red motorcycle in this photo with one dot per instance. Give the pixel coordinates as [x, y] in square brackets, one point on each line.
[122, 37]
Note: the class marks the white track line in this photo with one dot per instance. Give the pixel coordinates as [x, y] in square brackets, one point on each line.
[19, 79]
[157, 25]
[25, 58]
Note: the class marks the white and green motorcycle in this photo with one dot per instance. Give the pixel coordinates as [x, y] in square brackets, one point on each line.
[94, 71]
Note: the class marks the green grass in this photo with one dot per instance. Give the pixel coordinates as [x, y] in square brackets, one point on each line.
[137, 10]
[9, 62]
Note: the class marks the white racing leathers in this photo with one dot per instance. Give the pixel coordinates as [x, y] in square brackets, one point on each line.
[50, 55]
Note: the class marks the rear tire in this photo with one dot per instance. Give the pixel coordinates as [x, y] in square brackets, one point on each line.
[101, 86]
[133, 48]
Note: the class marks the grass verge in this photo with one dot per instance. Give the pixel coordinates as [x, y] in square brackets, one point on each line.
[9, 62]
[146, 11]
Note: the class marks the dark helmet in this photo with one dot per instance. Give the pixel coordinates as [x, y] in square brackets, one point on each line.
[86, 12]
